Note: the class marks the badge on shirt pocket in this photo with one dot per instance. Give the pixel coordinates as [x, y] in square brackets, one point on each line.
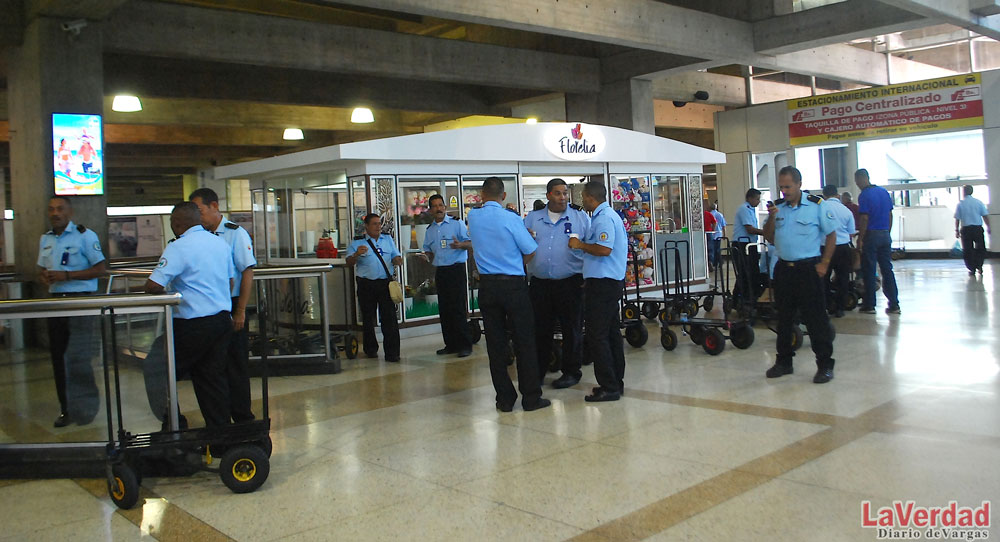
[444, 243]
[569, 228]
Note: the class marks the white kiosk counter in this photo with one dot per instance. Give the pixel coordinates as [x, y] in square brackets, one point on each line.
[654, 183]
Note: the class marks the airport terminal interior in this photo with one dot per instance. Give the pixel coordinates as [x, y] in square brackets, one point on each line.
[304, 116]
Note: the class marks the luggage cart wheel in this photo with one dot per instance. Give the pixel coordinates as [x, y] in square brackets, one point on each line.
[697, 334]
[266, 445]
[852, 301]
[668, 339]
[123, 487]
[714, 342]
[650, 309]
[691, 307]
[663, 316]
[636, 334]
[244, 468]
[630, 312]
[708, 302]
[351, 347]
[475, 333]
[741, 337]
[797, 338]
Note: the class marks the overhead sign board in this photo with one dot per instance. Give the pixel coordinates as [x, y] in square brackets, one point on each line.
[574, 141]
[907, 108]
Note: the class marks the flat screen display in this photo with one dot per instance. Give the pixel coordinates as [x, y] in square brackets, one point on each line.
[78, 152]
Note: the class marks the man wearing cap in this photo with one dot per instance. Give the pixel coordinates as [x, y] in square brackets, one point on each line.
[556, 285]
[446, 245]
[502, 245]
[605, 249]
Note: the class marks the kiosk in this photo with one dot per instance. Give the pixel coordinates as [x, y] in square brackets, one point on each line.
[654, 183]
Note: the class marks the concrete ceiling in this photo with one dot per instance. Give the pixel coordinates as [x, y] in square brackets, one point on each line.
[220, 79]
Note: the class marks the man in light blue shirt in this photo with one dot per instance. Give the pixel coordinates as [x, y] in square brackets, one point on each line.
[843, 255]
[746, 257]
[969, 218]
[557, 281]
[371, 256]
[446, 245]
[502, 246]
[199, 266]
[605, 249]
[718, 234]
[241, 248]
[801, 227]
[69, 262]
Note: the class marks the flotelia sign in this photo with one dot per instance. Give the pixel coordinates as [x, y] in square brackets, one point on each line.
[907, 520]
[574, 141]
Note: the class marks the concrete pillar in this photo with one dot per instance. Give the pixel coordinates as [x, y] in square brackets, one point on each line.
[991, 141]
[623, 104]
[52, 71]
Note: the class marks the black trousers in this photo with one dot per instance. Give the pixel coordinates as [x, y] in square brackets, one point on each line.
[453, 306]
[973, 247]
[373, 295]
[200, 346]
[838, 275]
[73, 344]
[603, 337]
[503, 298]
[800, 292]
[237, 372]
[560, 299]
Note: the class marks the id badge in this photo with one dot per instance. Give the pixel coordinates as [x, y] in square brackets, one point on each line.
[65, 258]
[444, 243]
[569, 228]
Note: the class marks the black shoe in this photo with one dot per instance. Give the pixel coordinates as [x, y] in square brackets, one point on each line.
[777, 370]
[823, 376]
[866, 310]
[972, 273]
[980, 270]
[541, 403]
[393, 359]
[445, 351]
[894, 309]
[371, 355]
[62, 421]
[504, 408]
[565, 381]
[602, 395]
[465, 353]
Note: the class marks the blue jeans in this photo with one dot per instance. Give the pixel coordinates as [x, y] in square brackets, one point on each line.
[878, 248]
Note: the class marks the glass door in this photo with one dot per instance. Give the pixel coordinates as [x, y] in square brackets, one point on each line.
[670, 220]
[420, 298]
[631, 198]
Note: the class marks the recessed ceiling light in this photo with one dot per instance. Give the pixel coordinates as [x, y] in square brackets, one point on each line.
[362, 115]
[293, 134]
[124, 103]
[532, 120]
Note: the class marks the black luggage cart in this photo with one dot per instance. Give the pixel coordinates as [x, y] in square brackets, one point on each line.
[709, 333]
[243, 449]
[680, 299]
[646, 305]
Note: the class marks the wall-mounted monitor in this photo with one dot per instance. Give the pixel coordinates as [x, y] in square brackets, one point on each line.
[78, 154]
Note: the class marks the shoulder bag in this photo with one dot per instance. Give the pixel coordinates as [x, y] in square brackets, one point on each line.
[395, 288]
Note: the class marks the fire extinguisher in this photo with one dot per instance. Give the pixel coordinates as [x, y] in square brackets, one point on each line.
[325, 248]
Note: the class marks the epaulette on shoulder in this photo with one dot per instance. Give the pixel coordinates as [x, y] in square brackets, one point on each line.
[232, 226]
[814, 199]
[359, 237]
[172, 240]
[575, 206]
[480, 206]
[81, 228]
[779, 201]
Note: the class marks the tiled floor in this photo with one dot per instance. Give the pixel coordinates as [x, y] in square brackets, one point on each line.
[701, 448]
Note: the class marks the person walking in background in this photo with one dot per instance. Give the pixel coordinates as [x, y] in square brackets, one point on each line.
[719, 233]
[969, 218]
[709, 219]
[874, 224]
[840, 265]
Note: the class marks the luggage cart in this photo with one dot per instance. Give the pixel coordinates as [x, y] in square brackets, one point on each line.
[723, 282]
[709, 333]
[646, 305]
[680, 300]
[243, 449]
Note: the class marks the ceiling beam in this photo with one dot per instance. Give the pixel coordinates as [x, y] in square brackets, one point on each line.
[650, 25]
[956, 12]
[831, 24]
[93, 10]
[640, 63]
[154, 29]
[171, 78]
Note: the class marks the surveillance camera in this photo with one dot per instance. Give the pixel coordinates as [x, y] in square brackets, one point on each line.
[74, 27]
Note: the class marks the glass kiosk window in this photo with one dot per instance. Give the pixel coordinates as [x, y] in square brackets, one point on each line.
[631, 198]
[419, 287]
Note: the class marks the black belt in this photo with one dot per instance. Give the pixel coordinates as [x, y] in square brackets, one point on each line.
[806, 261]
[501, 277]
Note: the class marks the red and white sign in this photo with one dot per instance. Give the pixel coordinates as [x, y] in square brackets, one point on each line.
[907, 108]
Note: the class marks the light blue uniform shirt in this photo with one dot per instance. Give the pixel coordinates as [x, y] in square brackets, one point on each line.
[746, 216]
[242, 248]
[800, 232]
[844, 219]
[970, 212]
[720, 225]
[499, 239]
[197, 265]
[438, 240]
[607, 230]
[70, 251]
[368, 266]
[554, 259]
